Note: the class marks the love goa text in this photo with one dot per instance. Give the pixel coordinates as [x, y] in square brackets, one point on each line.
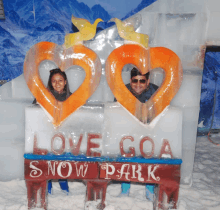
[126, 148]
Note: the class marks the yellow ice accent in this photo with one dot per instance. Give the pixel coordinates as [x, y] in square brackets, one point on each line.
[127, 32]
[86, 31]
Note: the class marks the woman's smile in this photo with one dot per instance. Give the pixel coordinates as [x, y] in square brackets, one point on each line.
[58, 83]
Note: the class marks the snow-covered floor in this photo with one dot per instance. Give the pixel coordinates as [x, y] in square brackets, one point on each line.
[204, 194]
[205, 191]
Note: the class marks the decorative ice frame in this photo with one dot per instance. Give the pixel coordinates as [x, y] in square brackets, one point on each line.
[124, 141]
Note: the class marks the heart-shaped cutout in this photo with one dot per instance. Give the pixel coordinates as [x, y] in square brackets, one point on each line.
[145, 60]
[64, 58]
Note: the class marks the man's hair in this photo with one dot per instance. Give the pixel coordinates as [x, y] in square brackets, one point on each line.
[135, 72]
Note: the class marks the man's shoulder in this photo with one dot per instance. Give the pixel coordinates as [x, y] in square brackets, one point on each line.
[128, 86]
[153, 86]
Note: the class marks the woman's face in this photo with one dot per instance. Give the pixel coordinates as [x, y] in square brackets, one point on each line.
[58, 83]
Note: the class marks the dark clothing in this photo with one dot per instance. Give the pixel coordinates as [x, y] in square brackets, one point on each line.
[59, 97]
[35, 101]
[143, 97]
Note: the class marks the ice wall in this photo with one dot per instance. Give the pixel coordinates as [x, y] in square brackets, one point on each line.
[186, 27]
[111, 122]
[182, 27]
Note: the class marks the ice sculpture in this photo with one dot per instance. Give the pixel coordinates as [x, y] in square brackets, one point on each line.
[64, 58]
[95, 142]
[185, 27]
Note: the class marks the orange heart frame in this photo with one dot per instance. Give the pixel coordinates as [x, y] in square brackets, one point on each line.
[64, 58]
[144, 59]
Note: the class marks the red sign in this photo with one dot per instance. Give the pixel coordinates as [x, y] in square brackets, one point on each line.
[97, 176]
[43, 169]
[145, 173]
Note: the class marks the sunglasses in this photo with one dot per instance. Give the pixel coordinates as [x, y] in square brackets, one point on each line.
[142, 81]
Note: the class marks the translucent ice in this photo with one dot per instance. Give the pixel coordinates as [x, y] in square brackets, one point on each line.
[188, 99]
[190, 90]
[12, 122]
[183, 26]
[113, 123]
[16, 89]
[88, 119]
[12, 161]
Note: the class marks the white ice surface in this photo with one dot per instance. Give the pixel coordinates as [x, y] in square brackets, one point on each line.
[15, 95]
[113, 122]
[204, 194]
[202, 30]
[183, 26]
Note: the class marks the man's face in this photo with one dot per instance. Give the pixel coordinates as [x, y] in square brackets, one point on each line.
[138, 84]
